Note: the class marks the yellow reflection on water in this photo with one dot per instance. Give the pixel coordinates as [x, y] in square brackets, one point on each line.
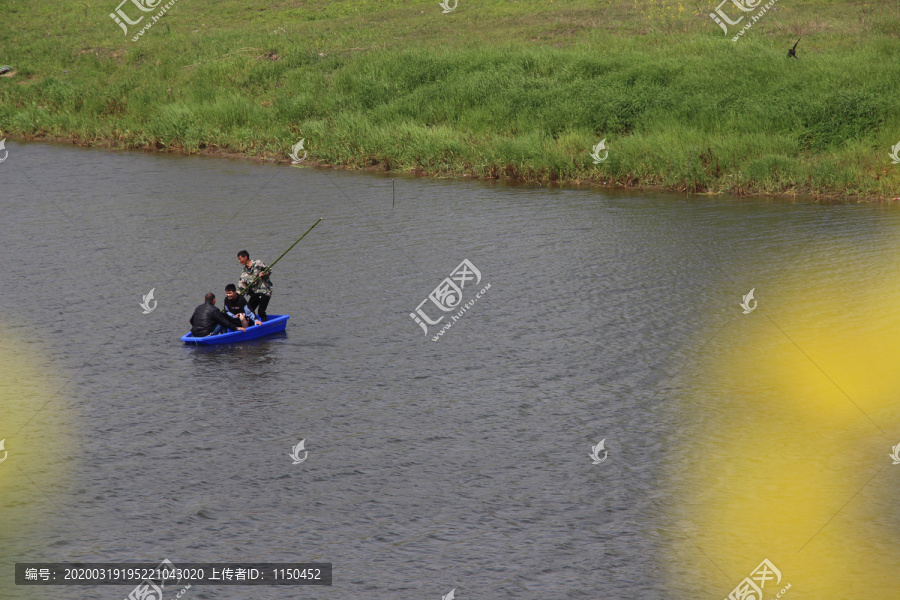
[793, 410]
[38, 460]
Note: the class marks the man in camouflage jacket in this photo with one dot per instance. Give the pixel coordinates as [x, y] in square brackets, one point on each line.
[261, 291]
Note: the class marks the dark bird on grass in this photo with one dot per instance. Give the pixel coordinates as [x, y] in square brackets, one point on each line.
[793, 51]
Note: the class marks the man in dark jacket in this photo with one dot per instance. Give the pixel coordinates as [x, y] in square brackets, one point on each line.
[208, 320]
[236, 307]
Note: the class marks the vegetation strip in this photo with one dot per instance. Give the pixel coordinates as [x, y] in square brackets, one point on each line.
[523, 90]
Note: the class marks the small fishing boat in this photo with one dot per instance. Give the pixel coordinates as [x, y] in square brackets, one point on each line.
[275, 324]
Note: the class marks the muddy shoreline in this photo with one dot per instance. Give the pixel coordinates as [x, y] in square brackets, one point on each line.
[214, 151]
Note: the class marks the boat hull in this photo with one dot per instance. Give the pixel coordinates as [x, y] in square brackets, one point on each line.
[275, 324]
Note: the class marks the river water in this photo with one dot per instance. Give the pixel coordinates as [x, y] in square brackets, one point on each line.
[461, 463]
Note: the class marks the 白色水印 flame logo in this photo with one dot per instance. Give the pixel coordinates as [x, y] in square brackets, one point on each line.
[446, 6]
[746, 303]
[145, 304]
[449, 596]
[5, 151]
[595, 452]
[895, 455]
[2, 442]
[895, 154]
[296, 452]
[596, 152]
[295, 153]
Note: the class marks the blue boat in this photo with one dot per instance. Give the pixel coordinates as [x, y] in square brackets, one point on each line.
[275, 324]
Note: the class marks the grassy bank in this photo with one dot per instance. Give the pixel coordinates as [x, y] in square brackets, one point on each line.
[519, 89]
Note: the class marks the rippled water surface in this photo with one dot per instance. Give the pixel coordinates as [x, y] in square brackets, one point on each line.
[461, 463]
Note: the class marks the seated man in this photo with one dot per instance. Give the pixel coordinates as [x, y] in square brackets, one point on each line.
[208, 320]
[236, 307]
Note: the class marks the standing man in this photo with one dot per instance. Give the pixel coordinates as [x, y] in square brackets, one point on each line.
[261, 291]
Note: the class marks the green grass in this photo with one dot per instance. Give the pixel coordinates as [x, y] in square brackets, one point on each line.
[518, 89]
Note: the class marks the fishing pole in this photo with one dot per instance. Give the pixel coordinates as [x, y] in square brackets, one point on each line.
[269, 268]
